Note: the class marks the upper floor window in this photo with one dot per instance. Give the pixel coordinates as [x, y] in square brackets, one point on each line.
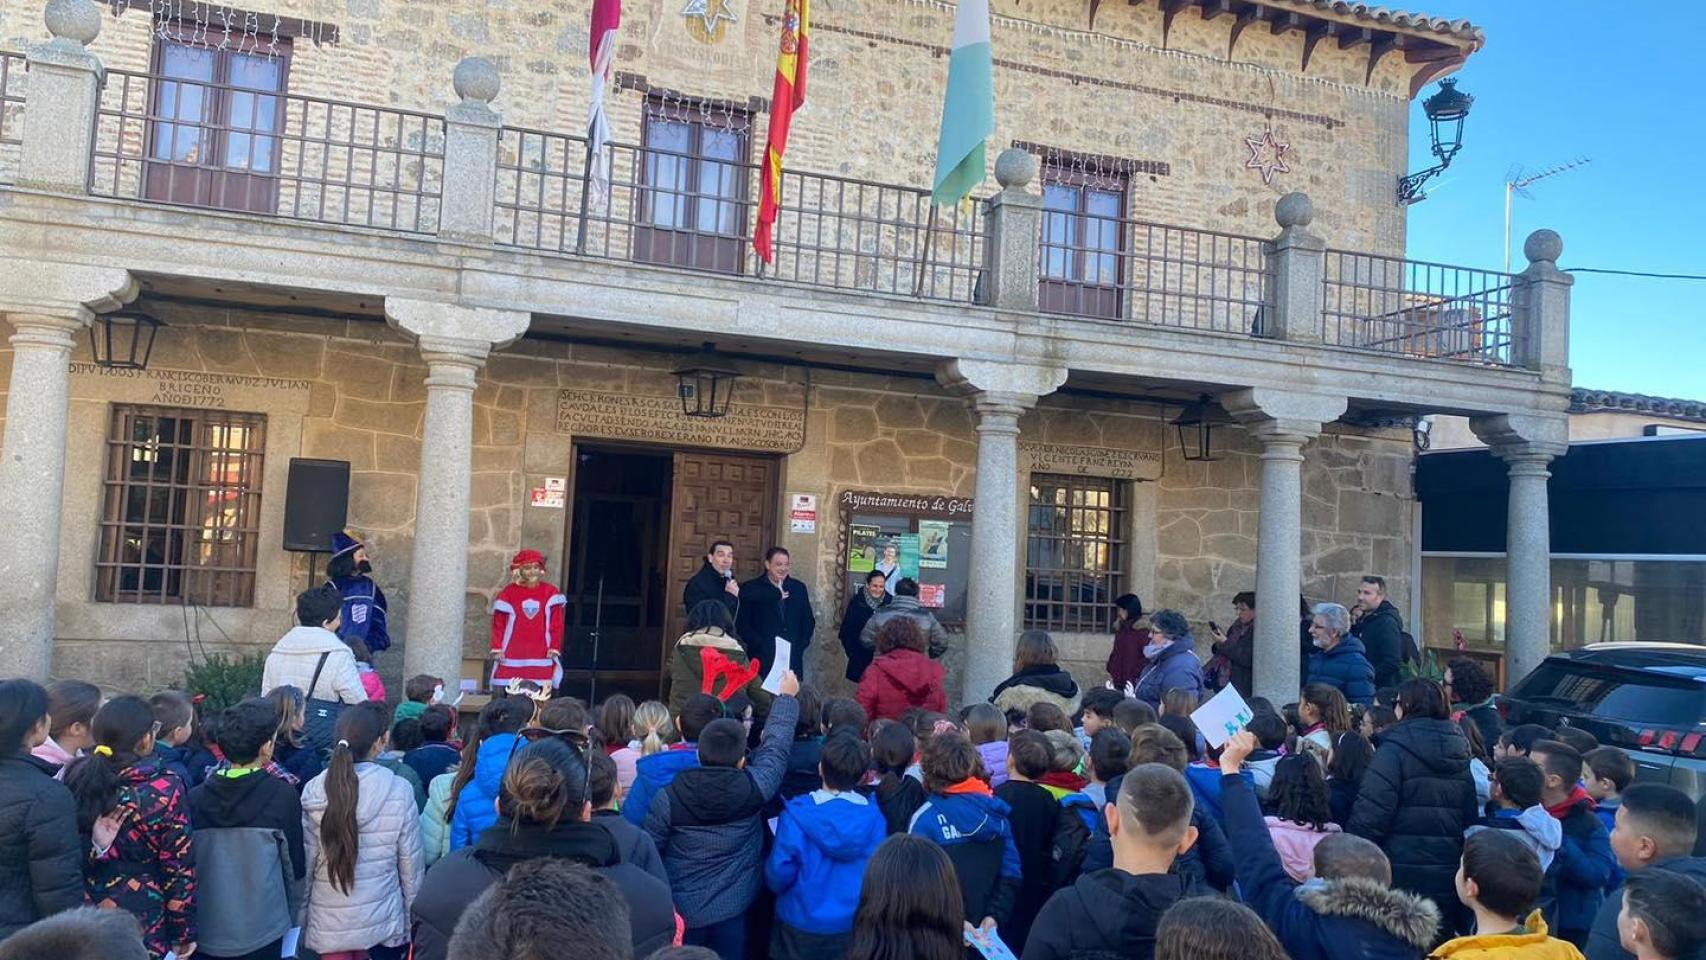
[693, 209]
[180, 519]
[1083, 239]
[216, 115]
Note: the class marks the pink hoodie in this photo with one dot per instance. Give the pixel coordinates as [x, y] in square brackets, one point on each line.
[1295, 844]
[53, 753]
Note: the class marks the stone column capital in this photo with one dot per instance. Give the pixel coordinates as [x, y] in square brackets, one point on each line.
[452, 329]
[1526, 442]
[62, 292]
[1001, 380]
[1282, 417]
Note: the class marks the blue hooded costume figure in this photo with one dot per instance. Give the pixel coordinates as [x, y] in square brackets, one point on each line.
[364, 603]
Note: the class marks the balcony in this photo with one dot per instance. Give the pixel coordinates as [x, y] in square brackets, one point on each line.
[466, 177]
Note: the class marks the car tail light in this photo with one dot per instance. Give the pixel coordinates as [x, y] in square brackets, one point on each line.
[1691, 743]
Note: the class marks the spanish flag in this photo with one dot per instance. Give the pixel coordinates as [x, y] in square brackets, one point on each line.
[788, 96]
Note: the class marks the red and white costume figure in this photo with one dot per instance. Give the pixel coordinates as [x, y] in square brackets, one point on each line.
[527, 625]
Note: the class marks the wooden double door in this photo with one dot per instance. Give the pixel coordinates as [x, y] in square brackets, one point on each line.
[640, 524]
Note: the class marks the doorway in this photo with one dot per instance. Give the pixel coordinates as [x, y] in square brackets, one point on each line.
[639, 525]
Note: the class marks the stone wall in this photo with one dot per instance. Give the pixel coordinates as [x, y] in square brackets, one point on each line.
[1176, 107]
[351, 389]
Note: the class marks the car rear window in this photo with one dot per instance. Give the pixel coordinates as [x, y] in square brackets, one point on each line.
[1636, 698]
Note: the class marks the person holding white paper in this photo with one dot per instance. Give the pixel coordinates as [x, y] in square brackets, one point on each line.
[776, 605]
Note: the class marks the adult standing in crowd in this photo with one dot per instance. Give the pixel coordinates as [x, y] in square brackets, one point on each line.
[901, 678]
[1471, 691]
[1238, 642]
[1381, 630]
[773, 605]
[310, 657]
[1173, 664]
[905, 604]
[1418, 797]
[863, 605]
[362, 617]
[1126, 660]
[715, 580]
[41, 854]
[1340, 661]
[1037, 678]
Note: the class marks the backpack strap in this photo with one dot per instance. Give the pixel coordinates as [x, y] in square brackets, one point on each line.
[321, 665]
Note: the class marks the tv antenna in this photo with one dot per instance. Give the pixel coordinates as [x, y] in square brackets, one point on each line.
[1517, 182]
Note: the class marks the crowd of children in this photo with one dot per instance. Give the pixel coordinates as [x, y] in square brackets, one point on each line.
[816, 830]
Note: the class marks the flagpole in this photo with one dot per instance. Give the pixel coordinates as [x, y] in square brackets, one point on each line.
[924, 256]
[586, 189]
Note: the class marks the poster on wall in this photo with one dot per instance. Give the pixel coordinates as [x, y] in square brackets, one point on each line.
[862, 548]
[906, 549]
[932, 594]
[933, 544]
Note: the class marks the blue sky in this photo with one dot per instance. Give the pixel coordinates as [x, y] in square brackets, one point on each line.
[1562, 79]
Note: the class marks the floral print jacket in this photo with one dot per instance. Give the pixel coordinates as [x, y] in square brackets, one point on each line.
[148, 871]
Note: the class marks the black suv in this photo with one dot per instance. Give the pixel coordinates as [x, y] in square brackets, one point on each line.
[1647, 698]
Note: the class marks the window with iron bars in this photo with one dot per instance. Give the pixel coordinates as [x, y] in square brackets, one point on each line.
[1075, 552]
[180, 519]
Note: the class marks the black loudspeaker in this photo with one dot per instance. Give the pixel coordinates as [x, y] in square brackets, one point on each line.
[316, 503]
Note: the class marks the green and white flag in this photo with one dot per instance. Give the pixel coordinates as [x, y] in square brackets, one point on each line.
[968, 111]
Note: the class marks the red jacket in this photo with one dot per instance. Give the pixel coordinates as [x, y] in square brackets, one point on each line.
[900, 680]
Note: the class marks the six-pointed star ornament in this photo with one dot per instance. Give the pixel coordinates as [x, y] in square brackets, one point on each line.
[1267, 155]
[709, 12]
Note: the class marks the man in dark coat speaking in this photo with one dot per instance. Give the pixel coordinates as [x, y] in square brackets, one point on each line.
[715, 580]
[775, 605]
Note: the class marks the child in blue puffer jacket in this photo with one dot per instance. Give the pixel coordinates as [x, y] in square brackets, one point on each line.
[823, 841]
[476, 805]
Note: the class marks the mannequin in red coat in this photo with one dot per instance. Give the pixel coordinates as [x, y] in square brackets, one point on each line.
[527, 625]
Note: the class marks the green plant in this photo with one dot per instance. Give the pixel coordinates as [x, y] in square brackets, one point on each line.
[225, 679]
[1426, 668]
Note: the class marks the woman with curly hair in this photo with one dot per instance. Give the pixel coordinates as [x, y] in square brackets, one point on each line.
[902, 677]
[1471, 691]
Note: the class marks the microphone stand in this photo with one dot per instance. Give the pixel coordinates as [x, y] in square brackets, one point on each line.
[597, 623]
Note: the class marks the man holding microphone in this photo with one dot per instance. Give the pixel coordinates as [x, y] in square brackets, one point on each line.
[715, 579]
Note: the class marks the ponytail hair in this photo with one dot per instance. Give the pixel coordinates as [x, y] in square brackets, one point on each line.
[359, 728]
[22, 705]
[119, 727]
[653, 727]
[500, 715]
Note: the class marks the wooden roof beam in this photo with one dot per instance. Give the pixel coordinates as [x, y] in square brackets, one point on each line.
[1382, 45]
[1351, 36]
[1169, 10]
[1214, 8]
[1317, 32]
[1250, 14]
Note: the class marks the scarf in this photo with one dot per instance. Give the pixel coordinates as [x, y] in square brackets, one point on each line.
[1577, 796]
[969, 785]
[1153, 650]
[1064, 779]
[875, 603]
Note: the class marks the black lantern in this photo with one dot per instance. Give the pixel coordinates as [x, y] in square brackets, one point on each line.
[1196, 425]
[706, 385]
[1446, 110]
[123, 340]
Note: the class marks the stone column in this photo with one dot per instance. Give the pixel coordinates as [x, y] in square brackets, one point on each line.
[1527, 444]
[1295, 269]
[48, 305]
[471, 154]
[454, 341]
[1540, 311]
[1015, 224]
[1282, 422]
[998, 392]
[59, 126]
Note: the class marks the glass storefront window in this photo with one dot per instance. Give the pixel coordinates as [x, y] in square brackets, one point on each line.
[1593, 601]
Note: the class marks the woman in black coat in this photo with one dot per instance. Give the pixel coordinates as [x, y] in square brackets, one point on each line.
[41, 855]
[1418, 797]
[860, 608]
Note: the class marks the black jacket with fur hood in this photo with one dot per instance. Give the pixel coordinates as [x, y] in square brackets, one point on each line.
[1044, 683]
[1353, 918]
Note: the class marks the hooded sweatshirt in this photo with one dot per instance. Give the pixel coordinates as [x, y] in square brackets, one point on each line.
[476, 805]
[1109, 910]
[1532, 942]
[970, 824]
[652, 775]
[823, 841]
[994, 754]
[1537, 830]
[1295, 842]
[250, 861]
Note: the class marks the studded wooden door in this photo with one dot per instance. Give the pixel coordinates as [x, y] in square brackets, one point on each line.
[718, 496]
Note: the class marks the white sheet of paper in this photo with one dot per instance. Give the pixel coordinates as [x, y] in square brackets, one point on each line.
[1223, 715]
[771, 823]
[773, 679]
[291, 937]
[170, 955]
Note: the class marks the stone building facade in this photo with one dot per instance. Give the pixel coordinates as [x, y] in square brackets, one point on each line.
[466, 374]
